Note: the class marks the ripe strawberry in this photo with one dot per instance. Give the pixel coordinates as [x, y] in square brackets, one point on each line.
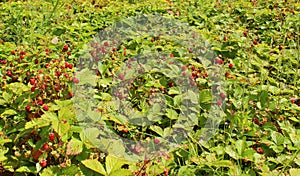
[32, 89]
[256, 121]
[193, 68]
[22, 57]
[260, 150]
[225, 38]
[51, 136]
[255, 42]
[45, 107]
[75, 80]
[36, 61]
[156, 141]
[69, 53]
[22, 53]
[9, 73]
[47, 65]
[219, 61]
[65, 48]
[245, 33]
[57, 88]
[27, 108]
[13, 53]
[183, 73]
[43, 162]
[280, 47]
[183, 68]
[58, 73]
[71, 94]
[70, 66]
[230, 65]
[46, 146]
[32, 81]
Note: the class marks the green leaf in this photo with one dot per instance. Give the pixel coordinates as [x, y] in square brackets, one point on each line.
[8, 112]
[277, 137]
[74, 147]
[30, 169]
[294, 172]
[205, 96]
[114, 164]
[157, 130]
[44, 120]
[95, 165]
[171, 114]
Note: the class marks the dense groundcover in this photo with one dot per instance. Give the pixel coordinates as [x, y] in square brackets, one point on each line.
[43, 52]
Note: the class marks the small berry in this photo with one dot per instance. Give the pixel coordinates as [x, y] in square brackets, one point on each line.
[58, 73]
[222, 95]
[280, 47]
[51, 136]
[13, 53]
[219, 61]
[260, 150]
[43, 162]
[46, 146]
[22, 53]
[230, 65]
[32, 81]
[219, 102]
[156, 141]
[65, 48]
[256, 121]
[27, 108]
[46, 108]
[255, 42]
[75, 80]
[225, 38]
[121, 77]
[22, 57]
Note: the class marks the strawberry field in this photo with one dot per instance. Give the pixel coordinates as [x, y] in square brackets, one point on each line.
[154, 87]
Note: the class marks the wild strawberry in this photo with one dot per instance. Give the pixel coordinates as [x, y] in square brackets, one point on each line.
[32, 89]
[45, 146]
[51, 136]
[256, 121]
[245, 33]
[13, 53]
[193, 68]
[75, 80]
[47, 65]
[65, 48]
[70, 66]
[171, 55]
[255, 42]
[45, 107]
[219, 61]
[9, 73]
[69, 53]
[22, 57]
[183, 73]
[230, 65]
[70, 94]
[280, 47]
[36, 61]
[225, 38]
[121, 76]
[222, 95]
[162, 89]
[57, 88]
[260, 150]
[43, 87]
[22, 53]
[156, 141]
[27, 108]
[43, 162]
[58, 73]
[183, 67]
[32, 81]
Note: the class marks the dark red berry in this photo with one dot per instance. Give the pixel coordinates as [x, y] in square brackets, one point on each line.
[225, 38]
[46, 146]
[260, 150]
[51, 136]
[13, 53]
[245, 33]
[256, 121]
[43, 162]
[22, 53]
[230, 65]
[28, 108]
[45, 107]
[255, 42]
[32, 81]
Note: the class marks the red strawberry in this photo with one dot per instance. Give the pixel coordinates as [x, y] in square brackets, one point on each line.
[13, 53]
[156, 141]
[225, 38]
[43, 162]
[75, 80]
[27, 108]
[23, 53]
[65, 48]
[32, 81]
[51, 136]
[45, 107]
[255, 42]
[230, 65]
[46, 146]
[245, 33]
